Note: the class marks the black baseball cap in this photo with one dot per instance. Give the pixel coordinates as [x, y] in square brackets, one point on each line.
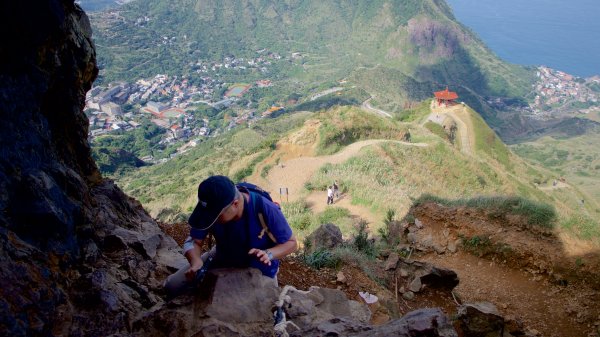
[214, 194]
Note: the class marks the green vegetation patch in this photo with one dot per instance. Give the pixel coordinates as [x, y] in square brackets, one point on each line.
[345, 125]
[114, 160]
[248, 170]
[298, 214]
[549, 156]
[436, 129]
[303, 221]
[483, 246]
[346, 97]
[333, 215]
[536, 213]
[488, 142]
[415, 113]
[583, 227]
[574, 159]
[395, 91]
[143, 141]
[322, 258]
[390, 175]
[359, 251]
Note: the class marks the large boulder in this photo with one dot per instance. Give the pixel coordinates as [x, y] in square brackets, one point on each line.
[240, 302]
[327, 236]
[416, 276]
[480, 320]
[423, 322]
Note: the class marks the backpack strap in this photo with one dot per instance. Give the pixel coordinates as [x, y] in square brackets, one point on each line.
[258, 204]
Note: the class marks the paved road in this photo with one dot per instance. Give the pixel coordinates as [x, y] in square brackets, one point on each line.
[367, 106]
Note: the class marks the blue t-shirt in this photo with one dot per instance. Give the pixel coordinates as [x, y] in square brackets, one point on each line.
[236, 238]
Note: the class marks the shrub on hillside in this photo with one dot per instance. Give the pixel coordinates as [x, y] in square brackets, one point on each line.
[297, 214]
[361, 241]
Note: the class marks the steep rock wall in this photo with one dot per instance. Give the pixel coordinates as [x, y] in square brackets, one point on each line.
[77, 256]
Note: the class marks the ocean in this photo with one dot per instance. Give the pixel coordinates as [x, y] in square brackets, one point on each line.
[560, 34]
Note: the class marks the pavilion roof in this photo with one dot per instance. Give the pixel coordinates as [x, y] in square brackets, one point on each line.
[446, 95]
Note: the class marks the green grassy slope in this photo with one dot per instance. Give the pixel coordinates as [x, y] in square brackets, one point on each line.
[576, 160]
[380, 177]
[171, 187]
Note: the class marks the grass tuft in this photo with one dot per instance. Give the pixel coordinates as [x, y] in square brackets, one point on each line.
[322, 258]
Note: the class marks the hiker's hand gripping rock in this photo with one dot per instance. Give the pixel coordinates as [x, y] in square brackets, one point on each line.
[263, 256]
[190, 274]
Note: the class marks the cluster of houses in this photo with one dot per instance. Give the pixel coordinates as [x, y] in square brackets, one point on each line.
[169, 101]
[556, 92]
[106, 110]
[556, 87]
[261, 62]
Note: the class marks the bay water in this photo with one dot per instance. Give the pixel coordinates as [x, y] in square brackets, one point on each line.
[560, 34]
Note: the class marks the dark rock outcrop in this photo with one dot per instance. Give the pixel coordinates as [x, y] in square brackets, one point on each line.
[415, 275]
[480, 319]
[66, 266]
[422, 322]
[327, 236]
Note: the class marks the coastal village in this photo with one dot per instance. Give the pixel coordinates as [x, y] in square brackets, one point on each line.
[557, 89]
[170, 102]
[557, 92]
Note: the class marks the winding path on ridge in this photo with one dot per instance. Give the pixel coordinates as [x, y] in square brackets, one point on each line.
[295, 172]
[463, 121]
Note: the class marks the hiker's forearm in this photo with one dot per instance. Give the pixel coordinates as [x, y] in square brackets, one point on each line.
[194, 255]
[285, 248]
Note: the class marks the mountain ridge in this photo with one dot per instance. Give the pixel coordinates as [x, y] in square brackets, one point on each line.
[418, 38]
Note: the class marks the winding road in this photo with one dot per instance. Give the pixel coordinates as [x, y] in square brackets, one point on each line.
[367, 106]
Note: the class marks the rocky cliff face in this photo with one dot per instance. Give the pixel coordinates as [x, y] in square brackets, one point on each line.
[75, 252]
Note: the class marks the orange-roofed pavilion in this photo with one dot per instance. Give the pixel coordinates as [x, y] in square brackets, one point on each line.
[446, 96]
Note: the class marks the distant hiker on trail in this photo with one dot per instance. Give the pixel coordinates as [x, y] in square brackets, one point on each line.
[329, 195]
[231, 214]
[336, 189]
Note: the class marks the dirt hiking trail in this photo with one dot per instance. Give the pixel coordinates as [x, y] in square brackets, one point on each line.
[461, 116]
[530, 273]
[293, 173]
